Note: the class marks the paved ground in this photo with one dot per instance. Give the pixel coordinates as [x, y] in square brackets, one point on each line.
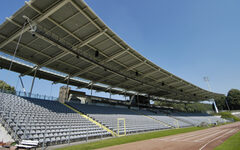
[4, 136]
[198, 140]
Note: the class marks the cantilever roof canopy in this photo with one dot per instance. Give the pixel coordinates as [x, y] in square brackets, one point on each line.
[72, 39]
[43, 73]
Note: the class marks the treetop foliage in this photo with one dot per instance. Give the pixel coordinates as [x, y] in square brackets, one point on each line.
[232, 98]
[7, 87]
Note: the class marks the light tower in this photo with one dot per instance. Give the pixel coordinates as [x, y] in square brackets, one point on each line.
[210, 89]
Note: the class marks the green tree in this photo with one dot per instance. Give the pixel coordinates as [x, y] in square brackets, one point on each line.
[221, 103]
[190, 107]
[233, 99]
[7, 87]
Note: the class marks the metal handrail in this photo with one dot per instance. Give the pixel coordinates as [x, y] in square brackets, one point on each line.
[28, 95]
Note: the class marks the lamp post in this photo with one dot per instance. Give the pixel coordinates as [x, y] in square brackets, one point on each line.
[210, 89]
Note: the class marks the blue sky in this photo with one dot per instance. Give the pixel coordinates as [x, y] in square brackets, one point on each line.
[189, 38]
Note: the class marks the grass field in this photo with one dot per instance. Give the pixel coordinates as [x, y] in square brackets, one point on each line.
[130, 138]
[233, 143]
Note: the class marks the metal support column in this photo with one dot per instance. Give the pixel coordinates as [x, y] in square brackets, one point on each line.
[67, 91]
[34, 77]
[22, 85]
[91, 89]
[210, 89]
[110, 96]
[125, 96]
[227, 104]
[138, 101]
[215, 106]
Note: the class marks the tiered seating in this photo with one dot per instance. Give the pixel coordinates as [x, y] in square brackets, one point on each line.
[197, 118]
[109, 116]
[45, 121]
[52, 122]
[166, 119]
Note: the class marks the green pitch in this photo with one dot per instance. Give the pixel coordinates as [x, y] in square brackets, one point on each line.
[233, 143]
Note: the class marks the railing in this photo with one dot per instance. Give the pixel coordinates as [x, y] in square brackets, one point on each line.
[28, 95]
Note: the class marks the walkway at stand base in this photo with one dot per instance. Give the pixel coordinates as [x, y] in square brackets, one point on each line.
[206, 139]
[4, 136]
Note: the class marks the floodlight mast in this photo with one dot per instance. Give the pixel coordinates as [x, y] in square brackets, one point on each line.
[210, 89]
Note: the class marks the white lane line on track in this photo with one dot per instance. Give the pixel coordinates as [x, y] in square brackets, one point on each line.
[216, 139]
[182, 135]
[188, 137]
[191, 135]
[196, 137]
[177, 141]
[200, 140]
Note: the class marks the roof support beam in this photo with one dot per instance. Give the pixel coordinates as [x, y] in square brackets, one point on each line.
[199, 92]
[174, 83]
[49, 73]
[191, 90]
[55, 58]
[130, 68]
[136, 65]
[30, 71]
[143, 76]
[204, 93]
[82, 43]
[184, 86]
[106, 77]
[150, 73]
[85, 15]
[94, 66]
[50, 60]
[90, 39]
[162, 79]
[116, 55]
[59, 56]
[61, 46]
[37, 20]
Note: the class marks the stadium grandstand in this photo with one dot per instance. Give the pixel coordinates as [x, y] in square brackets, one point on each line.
[64, 41]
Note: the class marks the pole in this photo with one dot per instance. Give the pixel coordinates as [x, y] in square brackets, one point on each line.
[210, 89]
[66, 96]
[110, 96]
[22, 85]
[215, 106]
[125, 96]
[35, 72]
[16, 87]
[91, 89]
[19, 40]
[227, 104]
[138, 101]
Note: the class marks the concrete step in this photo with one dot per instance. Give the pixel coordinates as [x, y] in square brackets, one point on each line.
[4, 136]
